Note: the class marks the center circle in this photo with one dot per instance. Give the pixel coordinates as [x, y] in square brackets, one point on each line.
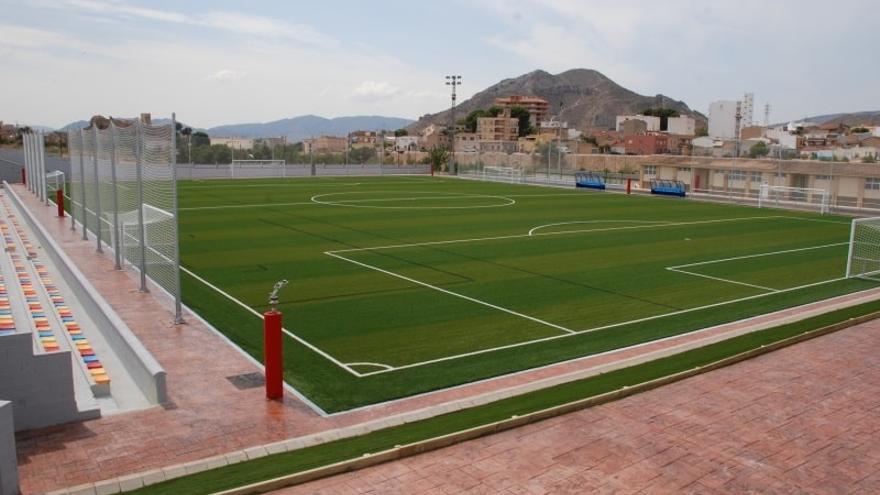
[402, 200]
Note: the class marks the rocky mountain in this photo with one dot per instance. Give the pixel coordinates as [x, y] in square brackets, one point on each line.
[587, 98]
[871, 118]
[298, 128]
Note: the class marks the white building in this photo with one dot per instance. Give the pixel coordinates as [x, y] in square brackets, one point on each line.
[653, 123]
[684, 126]
[722, 119]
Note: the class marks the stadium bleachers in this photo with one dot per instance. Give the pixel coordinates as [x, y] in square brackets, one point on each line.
[52, 318]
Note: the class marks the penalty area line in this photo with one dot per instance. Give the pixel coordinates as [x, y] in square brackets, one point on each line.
[260, 316]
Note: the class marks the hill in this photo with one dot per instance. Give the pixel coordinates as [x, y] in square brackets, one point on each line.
[871, 118]
[298, 128]
[587, 98]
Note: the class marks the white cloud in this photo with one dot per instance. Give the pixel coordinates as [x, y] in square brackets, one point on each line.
[226, 75]
[235, 22]
[375, 90]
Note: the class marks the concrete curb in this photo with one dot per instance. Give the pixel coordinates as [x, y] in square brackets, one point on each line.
[155, 476]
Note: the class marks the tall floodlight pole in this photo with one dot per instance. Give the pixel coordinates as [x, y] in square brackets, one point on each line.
[452, 81]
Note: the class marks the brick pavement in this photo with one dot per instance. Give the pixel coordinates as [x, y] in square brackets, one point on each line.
[804, 419]
[207, 415]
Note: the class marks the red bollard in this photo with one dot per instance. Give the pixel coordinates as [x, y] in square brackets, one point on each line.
[628, 185]
[272, 354]
[23, 177]
[59, 200]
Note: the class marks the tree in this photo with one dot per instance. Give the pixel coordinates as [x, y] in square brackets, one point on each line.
[859, 130]
[200, 138]
[401, 132]
[660, 112]
[759, 149]
[437, 157]
[470, 122]
[525, 124]
[362, 154]
[869, 158]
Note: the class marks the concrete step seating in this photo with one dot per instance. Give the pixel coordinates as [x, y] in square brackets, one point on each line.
[7, 322]
[61, 314]
[45, 337]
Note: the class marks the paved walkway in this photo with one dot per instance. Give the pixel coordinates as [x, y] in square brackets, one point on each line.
[208, 416]
[805, 419]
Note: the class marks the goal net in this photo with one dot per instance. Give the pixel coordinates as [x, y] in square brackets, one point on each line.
[257, 168]
[54, 182]
[502, 174]
[158, 248]
[864, 248]
[803, 197]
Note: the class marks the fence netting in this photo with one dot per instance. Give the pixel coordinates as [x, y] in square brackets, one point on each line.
[123, 191]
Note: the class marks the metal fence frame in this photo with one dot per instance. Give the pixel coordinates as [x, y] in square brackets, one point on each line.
[100, 213]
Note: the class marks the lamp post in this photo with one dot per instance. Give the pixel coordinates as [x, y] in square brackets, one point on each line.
[452, 81]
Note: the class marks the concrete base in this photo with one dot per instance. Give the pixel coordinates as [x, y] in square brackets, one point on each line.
[8, 462]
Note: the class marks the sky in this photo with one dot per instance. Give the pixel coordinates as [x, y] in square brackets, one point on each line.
[218, 62]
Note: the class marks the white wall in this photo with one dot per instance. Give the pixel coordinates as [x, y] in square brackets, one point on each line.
[722, 119]
[685, 126]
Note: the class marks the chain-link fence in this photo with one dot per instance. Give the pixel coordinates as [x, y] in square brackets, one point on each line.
[123, 189]
[267, 169]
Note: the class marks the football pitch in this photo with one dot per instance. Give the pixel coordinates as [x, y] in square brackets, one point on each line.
[403, 285]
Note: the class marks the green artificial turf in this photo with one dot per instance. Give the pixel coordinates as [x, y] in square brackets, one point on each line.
[596, 265]
[320, 455]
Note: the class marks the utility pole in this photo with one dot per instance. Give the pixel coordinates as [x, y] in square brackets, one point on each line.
[452, 81]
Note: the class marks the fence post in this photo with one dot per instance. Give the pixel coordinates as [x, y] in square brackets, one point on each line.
[116, 241]
[178, 310]
[44, 195]
[59, 201]
[97, 189]
[139, 165]
[82, 183]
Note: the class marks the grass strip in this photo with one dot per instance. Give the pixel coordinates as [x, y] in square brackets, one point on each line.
[277, 465]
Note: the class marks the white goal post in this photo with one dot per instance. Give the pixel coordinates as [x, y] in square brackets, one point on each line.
[864, 248]
[502, 174]
[806, 197]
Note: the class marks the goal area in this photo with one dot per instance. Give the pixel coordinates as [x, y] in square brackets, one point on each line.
[799, 197]
[864, 249]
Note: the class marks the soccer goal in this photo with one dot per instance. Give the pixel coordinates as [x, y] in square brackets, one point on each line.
[502, 174]
[864, 249]
[54, 182]
[783, 196]
[258, 168]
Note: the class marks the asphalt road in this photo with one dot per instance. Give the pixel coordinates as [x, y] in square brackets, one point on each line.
[12, 161]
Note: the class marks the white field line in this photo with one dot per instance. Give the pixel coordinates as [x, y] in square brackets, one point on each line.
[663, 315]
[719, 279]
[524, 343]
[759, 255]
[532, 231]
[678, 268]
[353, 203]
[377, 365]
[260, 316]
[455, 294]
[595, 329]
[214, 186]
[519, 236]
[262, 205]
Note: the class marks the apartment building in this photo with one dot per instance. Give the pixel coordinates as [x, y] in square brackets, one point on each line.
[538, 108]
